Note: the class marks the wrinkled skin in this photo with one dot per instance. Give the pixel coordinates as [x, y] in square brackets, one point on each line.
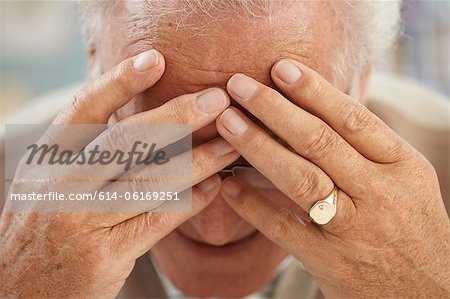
[205, 60]
[228, 249]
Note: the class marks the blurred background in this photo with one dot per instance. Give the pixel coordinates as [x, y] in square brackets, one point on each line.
[42, 49]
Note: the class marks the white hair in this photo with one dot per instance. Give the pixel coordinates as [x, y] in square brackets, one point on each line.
[370, 26]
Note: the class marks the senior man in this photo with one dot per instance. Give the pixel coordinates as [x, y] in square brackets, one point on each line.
[278, 83]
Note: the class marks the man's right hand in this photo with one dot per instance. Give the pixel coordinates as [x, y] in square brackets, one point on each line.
[80, 254]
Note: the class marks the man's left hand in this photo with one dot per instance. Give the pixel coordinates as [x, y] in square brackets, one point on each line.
[390, 236]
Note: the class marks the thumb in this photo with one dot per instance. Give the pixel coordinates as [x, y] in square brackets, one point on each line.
[135, 236]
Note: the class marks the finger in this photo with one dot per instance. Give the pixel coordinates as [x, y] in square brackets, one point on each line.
[162, 126]
[279, 225]
[305, 133]
[298, 178]
[252, 206]
[182, 115]
[191, 111]
[197, 110]
[204, 161]
[135, 236]
[206, 133]
[98, 100]
[353, 121]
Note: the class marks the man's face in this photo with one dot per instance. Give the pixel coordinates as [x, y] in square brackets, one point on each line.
[216, 253]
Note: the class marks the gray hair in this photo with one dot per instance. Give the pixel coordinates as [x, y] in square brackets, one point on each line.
[370, 26]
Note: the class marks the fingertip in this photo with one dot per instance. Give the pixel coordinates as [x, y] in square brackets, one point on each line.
[225, 94]
[146, 60]
[288, 60]
[204, 192]
[135, 74]
[231, 187]
[288, 71]
[148, 65]
[148, 68]
[220, 147]
[161, 60]
[222, 93]
[211, 101]
[210, 184]
[219, 124]
[235, 123]
[231, 79]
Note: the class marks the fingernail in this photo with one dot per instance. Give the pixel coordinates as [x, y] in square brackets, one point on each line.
[243, 86]
[145, 61]
[221, 148]
[233, 122]
[288, 72]
[231, 188]
[208, 184]
[211, 101]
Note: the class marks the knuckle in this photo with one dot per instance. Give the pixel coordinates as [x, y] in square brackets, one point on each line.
[181, 111]
[283, 226]
[79, 107]
[146, 179]
[197, 195]
[78, 99]
[315, 90]
[359, 119]
[119, 76]
[200, 163]
[280, 227]
[127, 184]
[305, 187]
[116, 139]
[257, 140]
[320, 143]
[344, 219]
[268, 94]
[426, 165]
[165, 221]
[423, 167]
[397, 152]
[154, 220]
[151, 222]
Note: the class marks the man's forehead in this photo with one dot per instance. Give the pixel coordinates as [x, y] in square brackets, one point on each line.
[211, 60]
[197, 58]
